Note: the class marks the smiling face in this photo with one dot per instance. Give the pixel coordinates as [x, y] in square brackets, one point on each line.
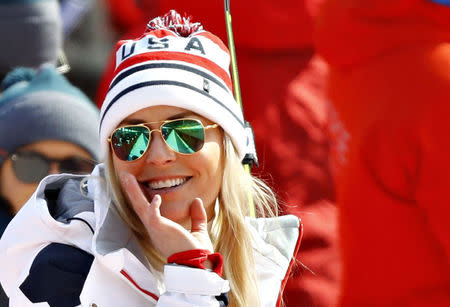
[176, 177]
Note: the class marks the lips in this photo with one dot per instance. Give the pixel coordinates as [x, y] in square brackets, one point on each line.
[167, 183]
[163, 185]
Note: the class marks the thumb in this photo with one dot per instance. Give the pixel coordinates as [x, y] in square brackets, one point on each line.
[198, 216]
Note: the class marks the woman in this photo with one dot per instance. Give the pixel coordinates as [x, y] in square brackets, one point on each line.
[163, 221]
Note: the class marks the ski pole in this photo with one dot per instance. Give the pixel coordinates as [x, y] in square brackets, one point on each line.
[250, 158]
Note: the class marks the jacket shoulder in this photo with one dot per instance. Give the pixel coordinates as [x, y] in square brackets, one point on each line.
[275, 244]
[283, 233]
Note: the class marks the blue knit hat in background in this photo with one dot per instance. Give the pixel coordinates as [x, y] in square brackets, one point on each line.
[31, 32]
[43, 105]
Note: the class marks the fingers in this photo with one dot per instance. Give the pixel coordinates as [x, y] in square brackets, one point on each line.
[167, 236]
[198, 216]
[145, 210]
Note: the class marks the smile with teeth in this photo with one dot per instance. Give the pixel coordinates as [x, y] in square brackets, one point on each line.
[168, 183]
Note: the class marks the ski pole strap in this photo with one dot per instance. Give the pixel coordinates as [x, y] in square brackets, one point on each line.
[251, 157]
[249, 160]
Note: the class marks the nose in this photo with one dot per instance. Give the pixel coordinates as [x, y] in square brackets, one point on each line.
[54, 168]
[159, 152]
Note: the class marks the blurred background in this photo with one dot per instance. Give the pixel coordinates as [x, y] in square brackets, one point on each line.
[88, 39]
[88, 46]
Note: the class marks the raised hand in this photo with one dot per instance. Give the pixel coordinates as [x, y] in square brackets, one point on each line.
[167, 236]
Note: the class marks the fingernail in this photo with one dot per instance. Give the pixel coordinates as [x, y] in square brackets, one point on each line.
[156, 197]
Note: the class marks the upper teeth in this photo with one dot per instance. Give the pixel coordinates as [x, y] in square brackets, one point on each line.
[160, 184]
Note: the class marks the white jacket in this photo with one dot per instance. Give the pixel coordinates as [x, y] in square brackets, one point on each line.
[119, 274]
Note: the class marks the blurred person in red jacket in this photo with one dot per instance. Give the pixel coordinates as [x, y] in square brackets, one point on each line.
[389, 81]
[282, 84]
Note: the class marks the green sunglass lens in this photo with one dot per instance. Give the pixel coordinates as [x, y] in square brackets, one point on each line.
[129, 143]
[184, 136]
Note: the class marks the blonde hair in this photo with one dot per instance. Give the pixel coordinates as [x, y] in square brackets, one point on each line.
[230, 235]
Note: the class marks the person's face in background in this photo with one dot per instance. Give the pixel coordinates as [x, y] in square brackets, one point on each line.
[177, 178]
[18, 192]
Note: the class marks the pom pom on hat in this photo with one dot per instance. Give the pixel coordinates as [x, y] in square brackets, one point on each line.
[21, 74]
[174, 22]
[43, 105]
[174, 63]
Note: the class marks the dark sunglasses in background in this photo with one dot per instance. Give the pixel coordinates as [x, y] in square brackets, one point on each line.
[31, 167]
[185, 136]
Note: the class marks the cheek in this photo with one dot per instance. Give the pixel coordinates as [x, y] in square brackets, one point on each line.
[212, 183]
[131, 168]
[211, 159]
[8, 181]
[14, 190]
[212, 168]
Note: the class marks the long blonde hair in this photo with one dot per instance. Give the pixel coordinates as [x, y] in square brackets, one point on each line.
[230, 235]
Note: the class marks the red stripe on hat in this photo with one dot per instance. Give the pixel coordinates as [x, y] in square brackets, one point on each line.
[177, 56]
[160, 33]
[118, 45]
[215, 40]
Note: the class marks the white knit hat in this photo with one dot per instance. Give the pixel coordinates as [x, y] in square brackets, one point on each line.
[174, 63]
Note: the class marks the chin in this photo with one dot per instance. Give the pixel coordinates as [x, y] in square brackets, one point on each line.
[176, 212]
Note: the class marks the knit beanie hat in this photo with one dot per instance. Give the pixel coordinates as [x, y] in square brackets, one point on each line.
[174, 63]
[31, 31]
[43, 105]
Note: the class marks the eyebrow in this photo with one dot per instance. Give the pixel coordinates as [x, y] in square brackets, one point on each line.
[135, 121]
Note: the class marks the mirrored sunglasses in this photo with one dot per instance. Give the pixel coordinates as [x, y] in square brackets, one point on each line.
[185, 136]
[31, 167]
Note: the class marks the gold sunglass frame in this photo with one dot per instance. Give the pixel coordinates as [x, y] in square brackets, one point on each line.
[150, 131]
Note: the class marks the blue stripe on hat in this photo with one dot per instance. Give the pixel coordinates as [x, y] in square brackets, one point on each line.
[166, 82]
[133, 70]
